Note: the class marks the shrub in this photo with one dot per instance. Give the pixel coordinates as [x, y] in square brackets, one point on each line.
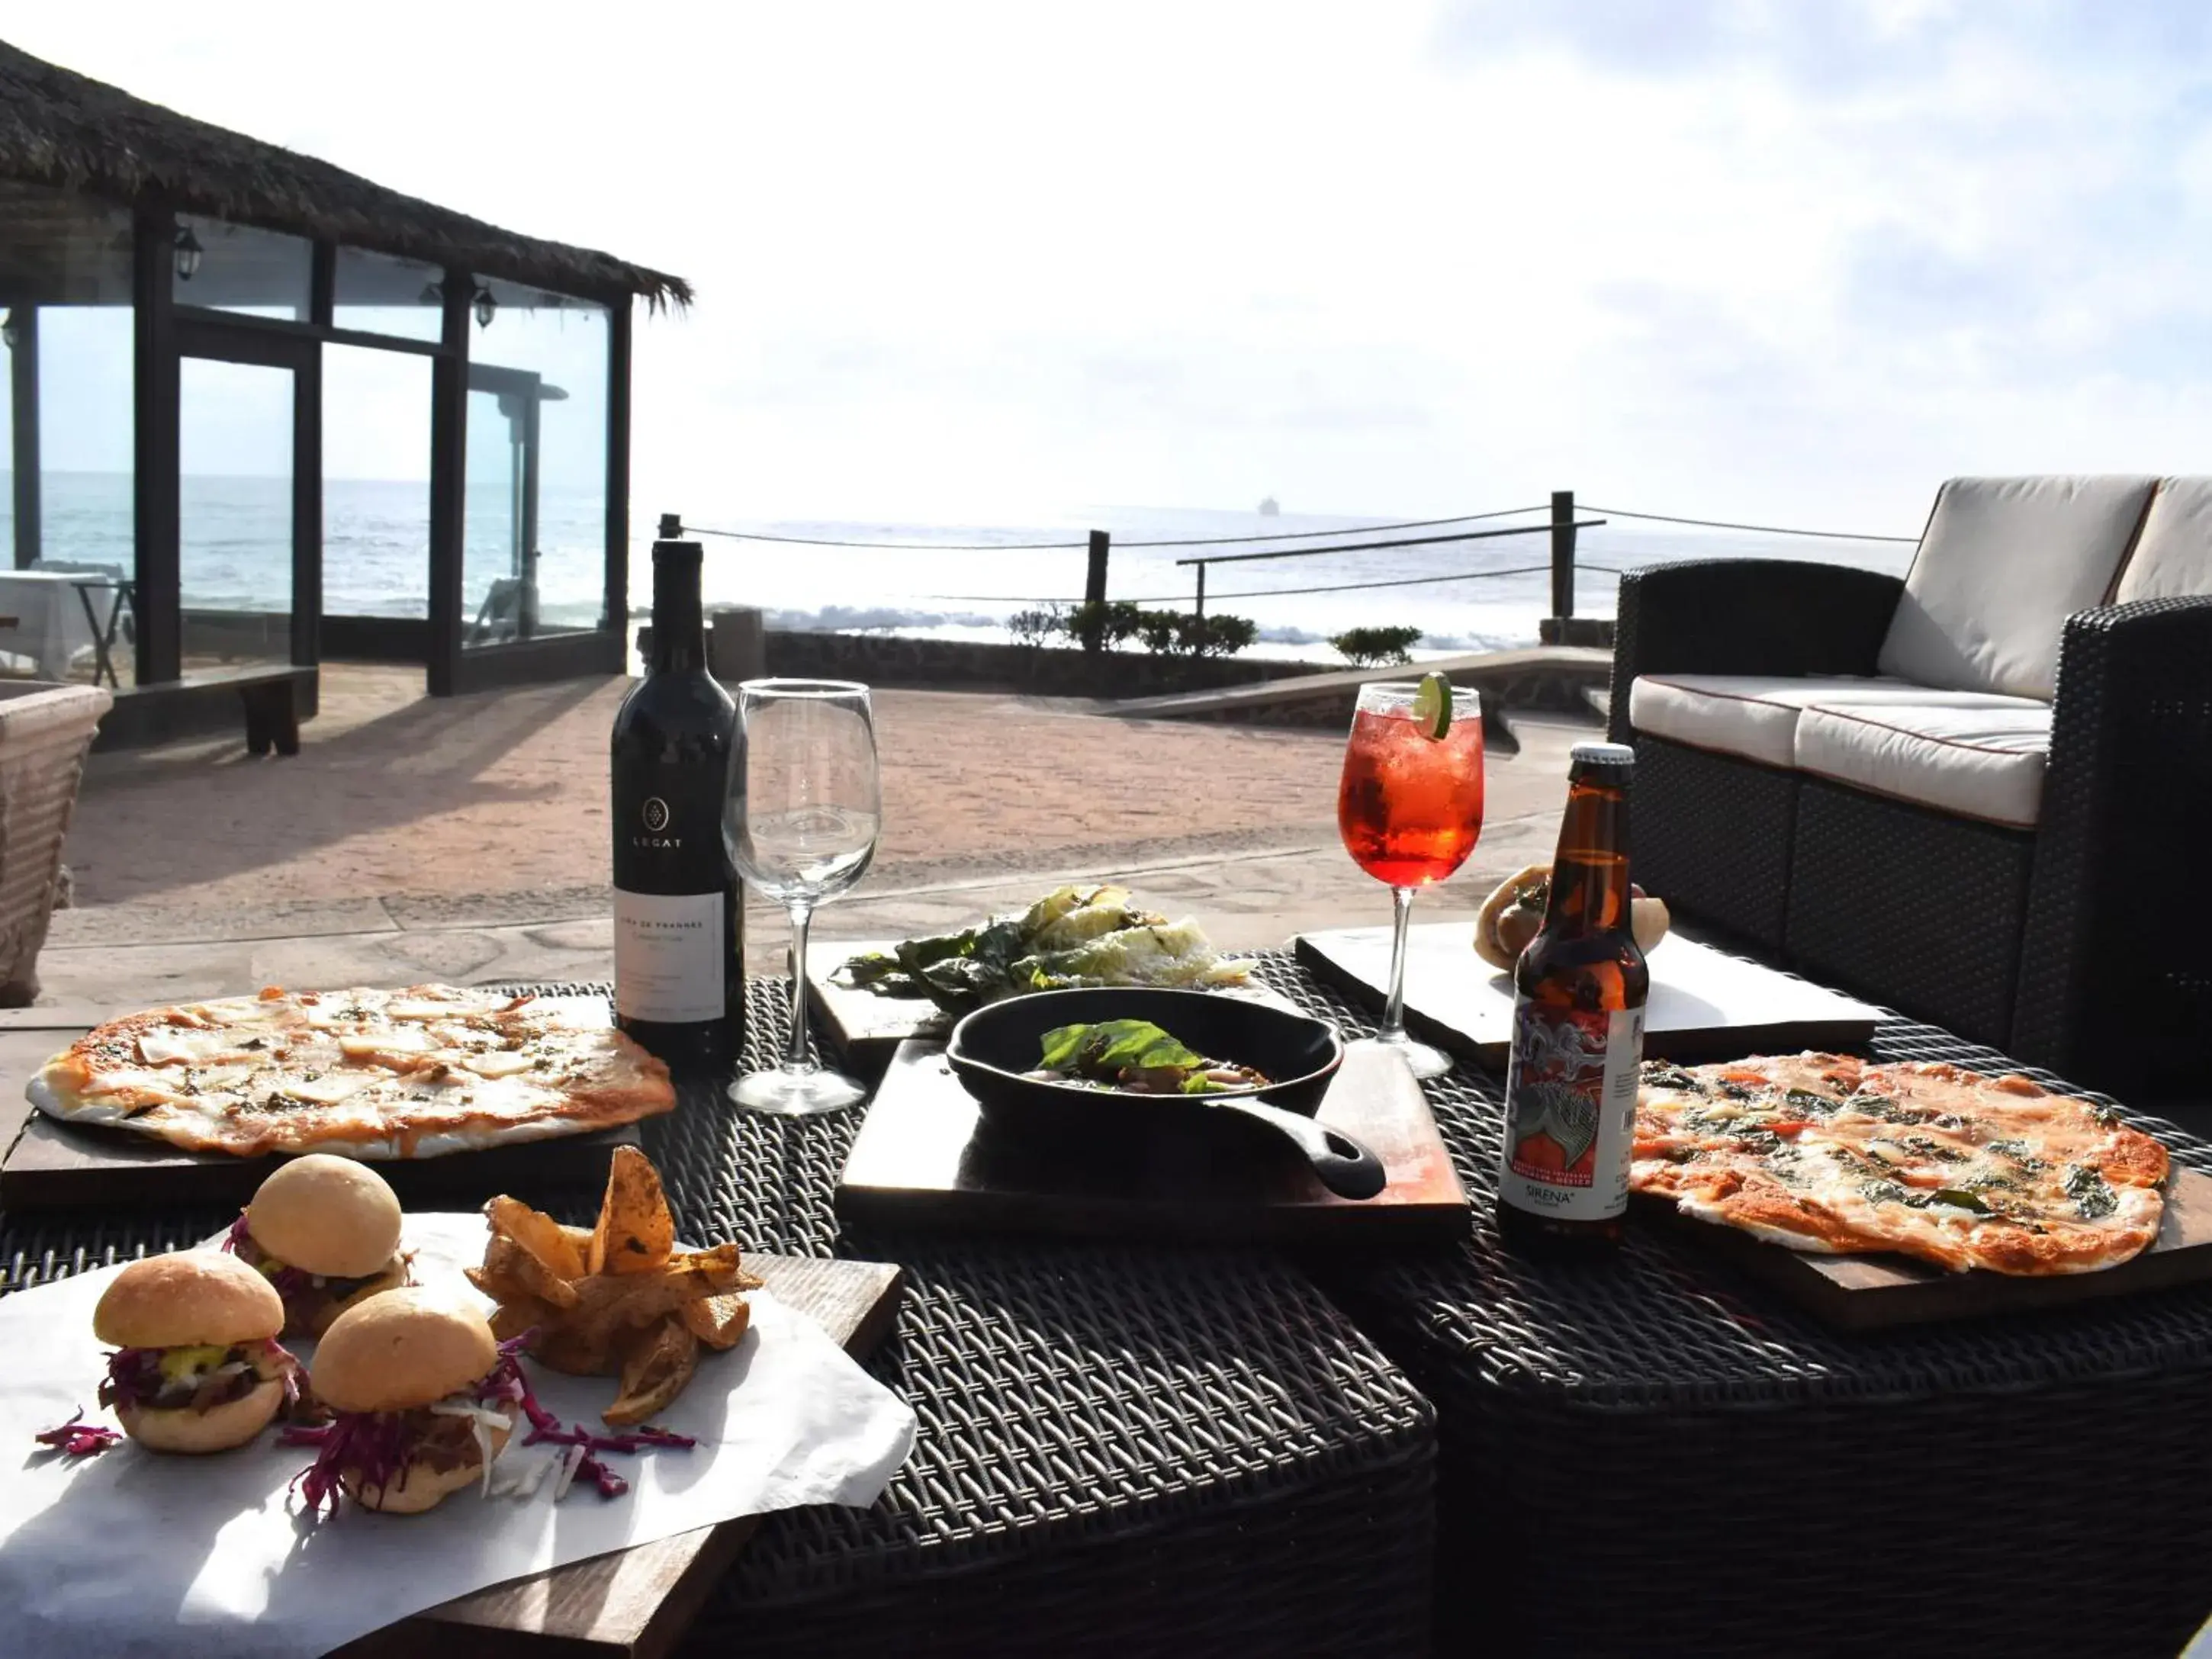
[1096, 625]
[1036, 627]
[1219, 636]
[1376, 647]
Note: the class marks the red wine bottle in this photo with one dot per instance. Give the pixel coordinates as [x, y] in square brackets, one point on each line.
[679, 926]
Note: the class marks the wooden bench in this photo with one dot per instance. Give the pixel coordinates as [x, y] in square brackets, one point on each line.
[275, 697]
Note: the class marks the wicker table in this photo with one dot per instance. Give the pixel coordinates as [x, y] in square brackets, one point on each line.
[1122, 1451]
[1657, 1455]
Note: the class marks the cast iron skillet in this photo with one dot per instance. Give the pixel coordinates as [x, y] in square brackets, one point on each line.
[993, 1047]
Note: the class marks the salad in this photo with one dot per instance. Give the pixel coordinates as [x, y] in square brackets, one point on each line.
[1075, 938]
[1136, 1057]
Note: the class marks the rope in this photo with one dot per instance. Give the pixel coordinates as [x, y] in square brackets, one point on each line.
[1368, 547]
[1041, 547]
[1257, 592]
[1760, 529]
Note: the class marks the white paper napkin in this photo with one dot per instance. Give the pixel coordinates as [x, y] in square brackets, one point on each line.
[132, 1552]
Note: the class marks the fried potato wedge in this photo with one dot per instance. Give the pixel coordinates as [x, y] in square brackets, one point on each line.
[518, 1315]
[544, 1240]
[636, 1232]
[656, 1364]
[718, 1321]
[510, 1269]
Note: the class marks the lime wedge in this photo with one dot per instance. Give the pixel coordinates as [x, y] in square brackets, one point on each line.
[1432, 705]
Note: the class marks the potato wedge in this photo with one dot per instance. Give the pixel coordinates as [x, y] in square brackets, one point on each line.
[656, 1364]
[636, 1233]
[718, 1321]
[518, 1315]
[507, 1263]
[544, 1240]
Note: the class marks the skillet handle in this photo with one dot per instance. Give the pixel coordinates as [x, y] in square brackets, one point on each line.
[1339, 1163]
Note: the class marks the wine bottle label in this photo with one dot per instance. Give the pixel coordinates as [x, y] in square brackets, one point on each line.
[669, 956]
[1571, 1110]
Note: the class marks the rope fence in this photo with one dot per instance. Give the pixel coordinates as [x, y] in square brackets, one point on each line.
[1561, 525]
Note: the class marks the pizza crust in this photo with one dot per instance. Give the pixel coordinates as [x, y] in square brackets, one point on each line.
[373, 1074]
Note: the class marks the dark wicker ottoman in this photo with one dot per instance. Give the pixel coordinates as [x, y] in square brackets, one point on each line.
[1655, 1455]
[1121, 1451]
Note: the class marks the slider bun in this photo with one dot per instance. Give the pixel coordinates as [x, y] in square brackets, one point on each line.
[420, 1488]
[327, 1215]
[190, 1297]
[180, 1428]
[326, 1312]
[1487, 944]
[402, 1349]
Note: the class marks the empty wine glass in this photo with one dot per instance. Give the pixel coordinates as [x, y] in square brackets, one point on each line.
[803, 810]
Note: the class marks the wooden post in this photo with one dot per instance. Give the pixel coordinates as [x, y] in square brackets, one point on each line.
[1201, 589]
[1094, 591]
[1563, 553]
[615, 580]
[156, 601]
[23, 381]
[449, 450]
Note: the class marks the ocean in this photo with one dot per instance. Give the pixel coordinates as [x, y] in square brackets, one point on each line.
[235, 541]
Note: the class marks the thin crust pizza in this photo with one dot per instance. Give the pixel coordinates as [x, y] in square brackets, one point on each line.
[365, 1074]
[1828, 1153]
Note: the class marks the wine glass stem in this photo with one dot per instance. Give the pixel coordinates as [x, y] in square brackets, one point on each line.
[1394, 1011]
[794, 1055]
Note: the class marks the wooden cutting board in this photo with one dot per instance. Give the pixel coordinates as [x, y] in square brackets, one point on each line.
[924, 1157]
[1873, 1292]
[54, 1166]
[638, 1603]
[1705, 1004]
[865, 1029]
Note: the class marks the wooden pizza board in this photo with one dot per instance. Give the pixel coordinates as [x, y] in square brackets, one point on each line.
[1874, 1292]
[1705, 1004]
[924, 1158]
[638, 1603]
[56, 1166]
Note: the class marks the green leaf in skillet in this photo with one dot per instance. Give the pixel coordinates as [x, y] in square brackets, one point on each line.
[1106, 1048]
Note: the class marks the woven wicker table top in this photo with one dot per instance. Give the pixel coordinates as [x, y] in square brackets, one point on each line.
[1149, 1443]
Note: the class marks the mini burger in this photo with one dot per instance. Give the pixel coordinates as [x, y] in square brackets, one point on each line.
[325, 1231]
[196, 1367]
[425, 1398]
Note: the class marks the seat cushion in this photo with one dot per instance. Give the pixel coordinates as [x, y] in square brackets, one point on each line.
[1976, 757]
[2172, 558]
[2002, 565]
[1751, 716]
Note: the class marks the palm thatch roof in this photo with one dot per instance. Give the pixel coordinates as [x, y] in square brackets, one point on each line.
[65, 130]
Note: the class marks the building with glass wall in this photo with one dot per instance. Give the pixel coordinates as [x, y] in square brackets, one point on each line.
[262, 411]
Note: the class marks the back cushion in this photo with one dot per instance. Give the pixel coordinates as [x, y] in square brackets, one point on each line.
[2172, 558]
[2003, 564]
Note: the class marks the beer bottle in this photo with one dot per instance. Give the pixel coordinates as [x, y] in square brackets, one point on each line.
[1579, 991]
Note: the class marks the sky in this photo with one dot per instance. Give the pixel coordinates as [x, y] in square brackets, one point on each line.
[1794, 261]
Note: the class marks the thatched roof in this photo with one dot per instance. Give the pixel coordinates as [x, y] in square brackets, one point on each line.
[62, 129]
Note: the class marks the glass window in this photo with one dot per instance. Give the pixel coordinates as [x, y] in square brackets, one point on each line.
[380, 294]
[376, 482]
[226, 267]
[65, 286]
[234, 512]
[534, 537]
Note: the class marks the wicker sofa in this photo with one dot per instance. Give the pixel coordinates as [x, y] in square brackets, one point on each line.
[1982, 794]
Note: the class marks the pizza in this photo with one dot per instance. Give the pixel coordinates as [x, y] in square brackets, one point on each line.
[365, 1074]
[1828, 1153]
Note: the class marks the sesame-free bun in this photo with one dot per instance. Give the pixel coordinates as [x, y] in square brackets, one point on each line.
[216, 1429]
[191, 1297]
[405, 1348]
[326, 1215]
[419, 1488]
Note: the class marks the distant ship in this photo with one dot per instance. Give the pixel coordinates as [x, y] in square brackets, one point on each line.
[1270, 508]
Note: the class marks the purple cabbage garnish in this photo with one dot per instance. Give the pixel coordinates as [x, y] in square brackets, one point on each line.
[78, 1439]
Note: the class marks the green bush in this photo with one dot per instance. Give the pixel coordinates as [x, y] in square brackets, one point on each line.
[1163, 632]
[1038, 627]
[1376, 647]
[1097, 625]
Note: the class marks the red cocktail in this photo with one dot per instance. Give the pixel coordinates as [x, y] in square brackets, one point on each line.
[1410, 808]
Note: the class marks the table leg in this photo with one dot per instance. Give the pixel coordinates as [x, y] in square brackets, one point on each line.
[103, 641]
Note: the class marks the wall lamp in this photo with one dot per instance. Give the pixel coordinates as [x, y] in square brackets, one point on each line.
[188, 251]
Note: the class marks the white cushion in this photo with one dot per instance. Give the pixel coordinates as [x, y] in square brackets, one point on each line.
[1973, 757]
[1750, 716]
[2172, 558]
[2002, 565]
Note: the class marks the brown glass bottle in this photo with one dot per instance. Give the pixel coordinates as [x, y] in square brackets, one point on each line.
[1579, 991]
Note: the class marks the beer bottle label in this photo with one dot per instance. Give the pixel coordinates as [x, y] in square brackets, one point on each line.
[1571, 1110]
